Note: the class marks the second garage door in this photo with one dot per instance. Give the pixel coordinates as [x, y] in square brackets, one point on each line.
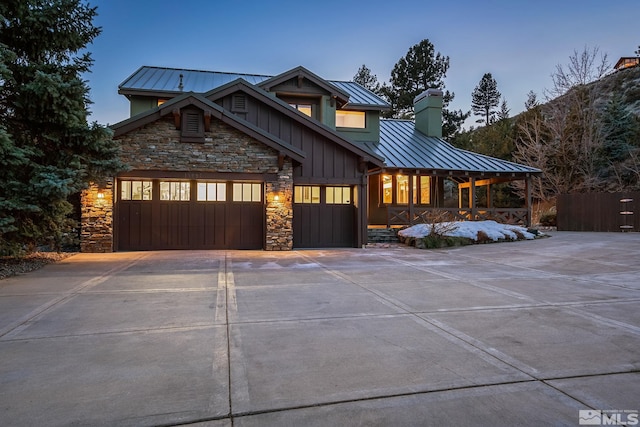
[157, 214]
[323, 216]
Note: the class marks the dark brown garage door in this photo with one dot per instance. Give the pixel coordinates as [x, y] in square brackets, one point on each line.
[323, 217]
[155, 214]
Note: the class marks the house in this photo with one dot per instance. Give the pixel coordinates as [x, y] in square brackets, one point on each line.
[627, 62]
[239, 161]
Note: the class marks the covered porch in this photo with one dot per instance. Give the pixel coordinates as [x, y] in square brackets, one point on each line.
[399, 197]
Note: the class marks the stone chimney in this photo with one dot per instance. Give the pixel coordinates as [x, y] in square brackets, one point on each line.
[428, 112]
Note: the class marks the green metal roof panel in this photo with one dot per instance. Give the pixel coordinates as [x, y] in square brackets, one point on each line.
[404, 147]
[160, 79]
[358, 95]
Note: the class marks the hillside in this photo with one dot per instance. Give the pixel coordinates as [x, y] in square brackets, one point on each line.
[627, 83]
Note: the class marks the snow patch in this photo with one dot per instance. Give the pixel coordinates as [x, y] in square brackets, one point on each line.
[469, 229]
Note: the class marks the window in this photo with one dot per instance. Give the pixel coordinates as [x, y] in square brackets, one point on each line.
[338, 195]
[211, 192]
[247, 192]
[175, 190]
[306, 194]
[424, 190]
[387, 189]
[402, 189]
[350, 119]
[135, 190]
[303, 108]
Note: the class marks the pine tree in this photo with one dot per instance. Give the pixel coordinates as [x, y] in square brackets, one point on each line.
[365, 78]
[49, 151]
[421, 69]
[485, 98]
[503, 114]
[532, 101]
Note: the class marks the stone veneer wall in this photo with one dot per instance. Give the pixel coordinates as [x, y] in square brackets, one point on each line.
[157, 146]
[97, 219]
[280, 212]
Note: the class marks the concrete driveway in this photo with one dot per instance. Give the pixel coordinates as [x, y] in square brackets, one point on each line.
[523, 333]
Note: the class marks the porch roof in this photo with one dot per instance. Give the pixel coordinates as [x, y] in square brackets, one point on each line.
[403, 147]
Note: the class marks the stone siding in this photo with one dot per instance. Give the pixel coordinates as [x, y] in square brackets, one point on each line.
[157, 146]
[97, 219]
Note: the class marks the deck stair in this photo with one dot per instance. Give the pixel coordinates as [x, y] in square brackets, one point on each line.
[382, 235]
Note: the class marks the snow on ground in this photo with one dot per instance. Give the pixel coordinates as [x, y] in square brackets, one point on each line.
[469, 229]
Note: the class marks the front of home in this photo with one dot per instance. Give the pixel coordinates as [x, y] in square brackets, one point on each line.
[237, 161]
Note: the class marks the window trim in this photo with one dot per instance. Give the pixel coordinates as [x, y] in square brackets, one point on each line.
[350, 112]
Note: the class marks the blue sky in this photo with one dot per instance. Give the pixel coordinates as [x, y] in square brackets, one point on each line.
[518, 42]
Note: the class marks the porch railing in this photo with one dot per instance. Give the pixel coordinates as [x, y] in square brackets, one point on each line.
[405, 216]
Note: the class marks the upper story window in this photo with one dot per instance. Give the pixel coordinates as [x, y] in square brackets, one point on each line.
[350, 119]
[303, 108]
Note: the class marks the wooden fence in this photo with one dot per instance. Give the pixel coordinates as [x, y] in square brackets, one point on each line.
[599, 212]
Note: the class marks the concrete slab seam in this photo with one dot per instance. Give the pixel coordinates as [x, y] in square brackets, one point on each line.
[24, 322]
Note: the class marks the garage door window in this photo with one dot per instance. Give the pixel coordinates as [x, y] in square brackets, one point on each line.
[212, 192]
[135, 190]
[338, 195]
[175, 190]
[306, 194]
[247, 192]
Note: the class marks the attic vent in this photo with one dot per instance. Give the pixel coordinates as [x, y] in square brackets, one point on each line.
[192, 123]
[238, 103]
[192, 126]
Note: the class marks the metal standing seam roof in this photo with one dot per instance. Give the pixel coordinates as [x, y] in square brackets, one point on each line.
[405, 148]
[160, 79]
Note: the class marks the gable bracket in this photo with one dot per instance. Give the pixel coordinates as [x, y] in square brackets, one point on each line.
[362, 165]
[207, 121]
[176, 118]
[281, 157]
[300, 78]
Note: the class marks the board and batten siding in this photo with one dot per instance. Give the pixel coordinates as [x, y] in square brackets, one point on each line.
[326, 161]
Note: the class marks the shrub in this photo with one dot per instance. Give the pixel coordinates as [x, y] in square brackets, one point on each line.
[548, 218]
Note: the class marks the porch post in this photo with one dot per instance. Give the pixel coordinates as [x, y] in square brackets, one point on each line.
[528, 203]
[472, 198]
[489, 196]
[411, 177]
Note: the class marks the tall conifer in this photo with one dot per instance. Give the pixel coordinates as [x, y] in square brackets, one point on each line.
[48, 150]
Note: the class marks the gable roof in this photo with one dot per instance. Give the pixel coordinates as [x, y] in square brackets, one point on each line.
[300, 73]
[161, 81]
[284, 108]
[403, 147]
[216, 111]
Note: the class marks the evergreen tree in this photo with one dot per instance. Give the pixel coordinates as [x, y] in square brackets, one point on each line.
[503, 114]
[532, 101]
[485, 98]
[365, 78]
[421, 69]
[48, 150]
[617, 157]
